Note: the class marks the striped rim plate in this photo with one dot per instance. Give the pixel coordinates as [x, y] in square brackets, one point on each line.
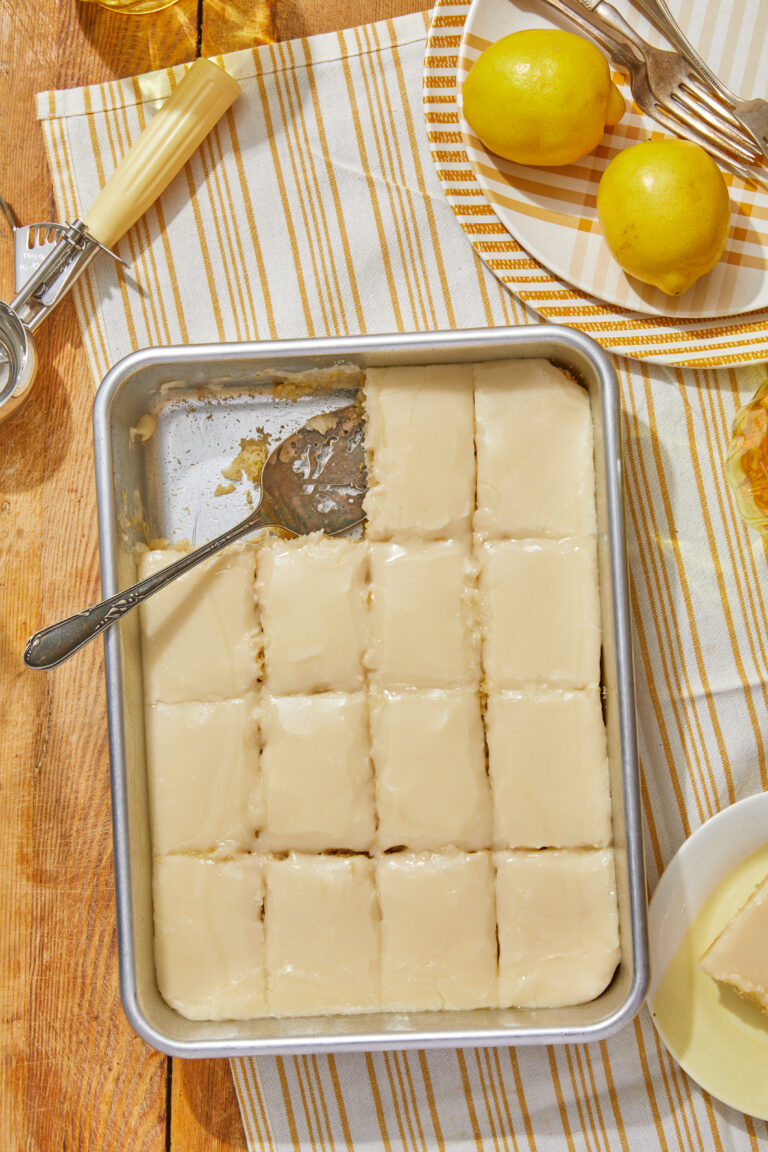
[521, 235]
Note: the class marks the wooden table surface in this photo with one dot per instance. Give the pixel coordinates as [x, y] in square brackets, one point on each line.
[75, 1077]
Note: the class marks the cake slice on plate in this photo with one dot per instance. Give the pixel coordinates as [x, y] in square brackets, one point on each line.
[739, 955]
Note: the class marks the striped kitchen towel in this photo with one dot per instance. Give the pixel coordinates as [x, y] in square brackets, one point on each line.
[313, 209]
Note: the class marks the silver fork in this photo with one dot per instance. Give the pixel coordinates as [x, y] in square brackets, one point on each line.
[664, 87]
[753, 114]
[681, 92]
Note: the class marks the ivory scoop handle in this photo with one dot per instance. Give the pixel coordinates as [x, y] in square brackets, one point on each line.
[162, 149]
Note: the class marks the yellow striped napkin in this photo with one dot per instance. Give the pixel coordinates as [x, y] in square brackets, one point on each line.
[314, 208]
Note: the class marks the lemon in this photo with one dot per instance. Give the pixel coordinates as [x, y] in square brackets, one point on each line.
[664, 209]
[541, 96]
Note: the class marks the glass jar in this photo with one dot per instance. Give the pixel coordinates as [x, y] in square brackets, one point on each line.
[746, 466]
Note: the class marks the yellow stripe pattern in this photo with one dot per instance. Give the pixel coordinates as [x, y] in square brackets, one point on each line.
[562, 202]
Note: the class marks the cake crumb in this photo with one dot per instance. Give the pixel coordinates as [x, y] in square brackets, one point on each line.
[250, 459]
[144, 429]
[289, 390]
[223, 489]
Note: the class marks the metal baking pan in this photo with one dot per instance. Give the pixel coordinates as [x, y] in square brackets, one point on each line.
[205, 399]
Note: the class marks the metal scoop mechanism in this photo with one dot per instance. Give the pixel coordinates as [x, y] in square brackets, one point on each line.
[69, 257]
[161, 150]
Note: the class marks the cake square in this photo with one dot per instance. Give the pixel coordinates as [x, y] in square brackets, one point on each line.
[312, 598]
[203, 776]
[548, 763]
[322, 934]
[541, 613]
[200, 635]
[558, 926]
[317, 782]
[421, 453]
[209, 936]
[438, 931]
[535, 462]
[422, 627]
[429, 765]
[738, 956]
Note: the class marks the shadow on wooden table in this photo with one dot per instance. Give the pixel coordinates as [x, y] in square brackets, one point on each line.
[205, 1093]
[132, 44]
[23, 469]
[129, 45]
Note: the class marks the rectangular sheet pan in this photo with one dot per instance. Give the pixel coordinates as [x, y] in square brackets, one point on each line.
[206, 399]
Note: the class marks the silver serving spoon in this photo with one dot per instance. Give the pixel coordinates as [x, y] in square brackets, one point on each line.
[314, 481]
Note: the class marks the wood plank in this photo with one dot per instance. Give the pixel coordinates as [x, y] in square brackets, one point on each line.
[120, 45]
[75, 1075]
[306, 17]
[229, 25]
[205, 1116]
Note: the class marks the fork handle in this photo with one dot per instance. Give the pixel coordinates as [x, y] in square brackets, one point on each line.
[604, 17]
[660, 16]
[56, 643]
[588, 23]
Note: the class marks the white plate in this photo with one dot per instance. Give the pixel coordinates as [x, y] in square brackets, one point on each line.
[719, 1039]
[551, 211]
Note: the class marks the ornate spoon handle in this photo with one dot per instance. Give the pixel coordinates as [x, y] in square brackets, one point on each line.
[56, 643]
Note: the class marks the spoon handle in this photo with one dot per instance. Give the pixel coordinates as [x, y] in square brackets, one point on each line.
[56, 643]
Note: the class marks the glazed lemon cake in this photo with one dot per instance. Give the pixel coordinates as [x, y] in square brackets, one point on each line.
[535, 458]
[739, 955]
[422, 630]
[203, 776]
[209, 936]
[428, 750]
[558, 926]
[200, 635]
[555, 641]
[322, 935]
[438, 930]
[378, 773]
[312, 598]
[548, 766]
[421, 470]
[317, 784]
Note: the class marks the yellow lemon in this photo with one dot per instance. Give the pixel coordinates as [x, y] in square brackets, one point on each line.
[664, 209]
[541, 96]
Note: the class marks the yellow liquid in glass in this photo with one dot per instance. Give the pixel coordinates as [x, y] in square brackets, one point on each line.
[717, 1036]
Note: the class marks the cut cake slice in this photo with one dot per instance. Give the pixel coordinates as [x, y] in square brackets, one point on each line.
[739, 955]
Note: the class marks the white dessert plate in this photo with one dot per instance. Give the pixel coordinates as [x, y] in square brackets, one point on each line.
[532, 246]
[552, 211]
[717, 1037]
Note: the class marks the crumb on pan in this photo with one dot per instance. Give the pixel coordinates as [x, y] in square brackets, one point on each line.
[289, 390]
[250, 459]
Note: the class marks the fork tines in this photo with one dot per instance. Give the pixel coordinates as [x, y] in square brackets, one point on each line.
[695, 102]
